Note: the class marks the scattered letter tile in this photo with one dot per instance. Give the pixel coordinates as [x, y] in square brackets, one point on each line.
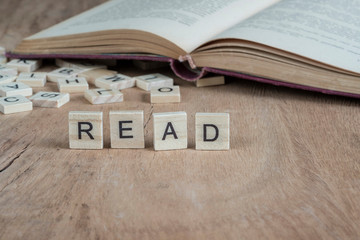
[86, 130]
[50, 99]
[127, 129]
[149, 81]
[93, 74]
[6, 78]
[15, 88]
[212, 131]
[4, 69]
[165, 94]
[34, 79]
[100, 96]
[118, 81]
[25, 65]
[62, 73]
[73, 85]
[15, 104]
[170, 130]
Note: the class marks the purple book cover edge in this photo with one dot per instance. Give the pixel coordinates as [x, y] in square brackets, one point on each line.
[181, 70]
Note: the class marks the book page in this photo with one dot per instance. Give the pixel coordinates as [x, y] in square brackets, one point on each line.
[324, 30]
[187, 23]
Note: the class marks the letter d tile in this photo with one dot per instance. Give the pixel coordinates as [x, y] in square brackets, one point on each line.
[86, 130]
[212, 131]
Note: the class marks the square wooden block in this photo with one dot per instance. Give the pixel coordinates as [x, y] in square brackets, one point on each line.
[50, 99]
[210, 81]
[25, 65]
[117, 81]
[212, 131]
[6, 78]
[127, 129]
[5, 69]
[170, 130]
[147, 82]
[34, 79]
[92, 75]
[62, 73]
[165, 94]
[73, 85]
[15, 104]
[86, 130]
[101, 96]
[80, 64]
[15, 88]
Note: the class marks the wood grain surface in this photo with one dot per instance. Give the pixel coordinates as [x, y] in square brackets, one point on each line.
[293, 171]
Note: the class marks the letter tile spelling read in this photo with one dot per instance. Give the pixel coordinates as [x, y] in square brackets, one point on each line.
[61, 73]
[24, 65]
[118, 81]
[127, 129]
[72, 85]
[15, 88]
[86, 130]
[212, 131]
[165, 94]
[170, 130]
[50, 99]
[6, 78]
[101, 96]
[34, 79]
[149, 81]
[15, 104]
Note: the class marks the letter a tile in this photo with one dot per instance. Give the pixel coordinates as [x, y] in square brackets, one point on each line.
[212, 131]
[170, 130]
[86, 130]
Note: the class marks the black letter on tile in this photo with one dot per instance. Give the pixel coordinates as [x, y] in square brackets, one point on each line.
[121, 129]
[172, 132]
[205, 133]
[87, 131]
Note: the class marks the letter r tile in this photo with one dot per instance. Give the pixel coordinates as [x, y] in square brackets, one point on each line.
[212, 131]
[85, 130]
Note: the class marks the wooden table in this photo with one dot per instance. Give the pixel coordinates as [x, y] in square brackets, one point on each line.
[293, 171]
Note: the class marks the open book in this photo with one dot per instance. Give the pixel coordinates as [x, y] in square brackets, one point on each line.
[306, 44]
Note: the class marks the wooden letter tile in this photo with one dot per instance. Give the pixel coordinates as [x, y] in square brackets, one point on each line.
[34, 79]
[170, 130]
[50, 99]
[5, 69]
[127, 129]
[62, 73]
[100, 96]
[212, 131]
[6, 78]
[15, 104]
[210, 81]
[15, 88]
[93, 74]
[118, 81]
[73, 85]
[147, 82]
[24, 65]
[165, 94]
[86, 130]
